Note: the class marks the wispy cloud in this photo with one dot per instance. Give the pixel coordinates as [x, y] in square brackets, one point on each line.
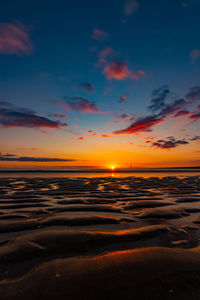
[195, 115]
[120, 71]
[14, 39]
[12, 157]
[81, 105]
[103, 54]
[173, 108]
[89, 135]
[184, 4]
[130, 7]
[195, 55]
[194, 94]
[125, 118]
[159, 97]
[60, 116]
[87, 87]
[181, 113]
[11, 116]
[99, 34]
[122, 99]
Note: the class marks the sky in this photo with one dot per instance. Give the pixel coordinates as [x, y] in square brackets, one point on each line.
[91, 84]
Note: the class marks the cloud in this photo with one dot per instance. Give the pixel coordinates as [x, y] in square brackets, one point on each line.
[173, 108]
[158, 103]
[141, 125]
[81, 105]
[122, 99]
[86, 86]
[184, 4]
[99, 35]
[125, 118]
[194, 94]
[91, 134]
[195, 116]
[60, 116]
[130, 7]
[195, 138]
[119, 71]
[20, 117]
[195, 55]
[103, 54]
[105, 136]
[181, 113]
[169, 143]
[12, 157]
[87, 136]
[159, 97]
[14, 39]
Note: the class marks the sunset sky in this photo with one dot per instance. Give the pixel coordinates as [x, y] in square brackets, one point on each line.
[99, 83]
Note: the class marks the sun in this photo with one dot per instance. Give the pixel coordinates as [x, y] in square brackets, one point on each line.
[112, 167]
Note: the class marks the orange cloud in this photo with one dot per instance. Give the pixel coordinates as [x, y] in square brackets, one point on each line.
[141, 125]
[105, 136]
[119, 71]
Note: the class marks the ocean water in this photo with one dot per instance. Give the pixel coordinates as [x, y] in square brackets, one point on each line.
[91, 173]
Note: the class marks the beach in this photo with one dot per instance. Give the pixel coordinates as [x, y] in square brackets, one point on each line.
[106, 237]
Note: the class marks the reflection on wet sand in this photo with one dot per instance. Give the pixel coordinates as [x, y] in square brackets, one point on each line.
[113, 238]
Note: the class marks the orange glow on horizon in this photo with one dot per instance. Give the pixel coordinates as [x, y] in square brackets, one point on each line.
[112, 167]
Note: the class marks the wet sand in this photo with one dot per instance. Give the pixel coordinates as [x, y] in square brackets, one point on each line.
[100, 238]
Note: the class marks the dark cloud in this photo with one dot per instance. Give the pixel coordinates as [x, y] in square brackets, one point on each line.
[195, 116]
[81, 105]
[181, 113]
[169, 143]
[122, 99]
[20, 117]
[86, 86]
[196, 138]
[172, 142]
[12, 157]
[158, 98]
[194, 94]
[173, 108]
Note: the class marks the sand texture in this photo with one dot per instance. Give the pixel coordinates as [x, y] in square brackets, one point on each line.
[100, 238]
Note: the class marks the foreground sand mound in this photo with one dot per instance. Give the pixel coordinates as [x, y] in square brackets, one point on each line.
[149, 273]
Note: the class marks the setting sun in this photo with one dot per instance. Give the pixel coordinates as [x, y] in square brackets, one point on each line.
[112, 167]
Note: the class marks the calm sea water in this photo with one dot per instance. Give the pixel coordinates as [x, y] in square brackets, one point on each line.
[146, 173]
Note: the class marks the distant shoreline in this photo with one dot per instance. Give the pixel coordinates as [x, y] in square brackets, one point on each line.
[142, 170]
